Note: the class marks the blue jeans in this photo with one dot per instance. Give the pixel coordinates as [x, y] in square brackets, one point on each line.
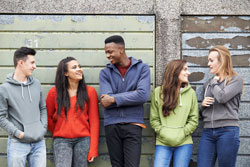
[181, 155]
[222, 143]
[18, 153]
[71, 152]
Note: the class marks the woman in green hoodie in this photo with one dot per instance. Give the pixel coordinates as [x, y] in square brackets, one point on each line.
[174, 116]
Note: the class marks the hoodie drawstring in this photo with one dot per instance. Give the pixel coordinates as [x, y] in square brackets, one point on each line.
[28, 91]
[180, 100]
[22, 90]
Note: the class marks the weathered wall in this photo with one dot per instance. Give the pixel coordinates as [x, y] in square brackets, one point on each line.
[170, 31]
[199, 33]
[57, 36]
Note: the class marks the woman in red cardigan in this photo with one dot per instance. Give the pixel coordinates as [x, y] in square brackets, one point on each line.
[73, 117]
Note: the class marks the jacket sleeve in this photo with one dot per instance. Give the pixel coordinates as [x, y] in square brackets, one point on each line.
[155, 121]
[43, 110]
[9, 127]
[51, 109]
[233, 88]
[105, 87]
[193, 117]
[140, 95]
[94, 123]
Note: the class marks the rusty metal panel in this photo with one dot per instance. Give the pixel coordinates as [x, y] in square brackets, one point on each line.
[208, 40]
[240, 58]
[216, 24]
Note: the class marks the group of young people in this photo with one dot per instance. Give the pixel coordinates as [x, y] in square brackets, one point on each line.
[71, 114]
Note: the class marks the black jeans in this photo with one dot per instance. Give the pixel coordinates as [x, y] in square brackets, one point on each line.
[124, 144]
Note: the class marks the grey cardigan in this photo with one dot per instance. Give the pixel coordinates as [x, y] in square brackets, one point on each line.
[224, 110]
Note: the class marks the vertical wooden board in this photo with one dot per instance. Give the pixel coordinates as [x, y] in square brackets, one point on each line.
[215, 24]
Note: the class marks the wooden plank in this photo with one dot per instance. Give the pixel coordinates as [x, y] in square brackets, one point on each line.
[245, 97]
[201, 75]
[46, 89]
[244, 129]
[101, 161]
[215, 24]
[242, 160]
[74, 23]
[46, 75]
[243, 110]
[240, 58]
[104, 161]
[148, 144]
[146, 111]
[72, 40]
[244, 146]
[147, 132]
[85, 57]
[208, 40]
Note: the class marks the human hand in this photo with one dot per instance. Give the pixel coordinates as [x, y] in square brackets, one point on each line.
[207, 101]
[107, 100]
[20, 136]
[92, 159]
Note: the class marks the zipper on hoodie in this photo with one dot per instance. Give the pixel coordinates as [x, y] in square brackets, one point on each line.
[212, 114]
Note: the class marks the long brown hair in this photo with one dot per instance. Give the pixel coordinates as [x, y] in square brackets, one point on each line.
[171, 85]
[224, 57]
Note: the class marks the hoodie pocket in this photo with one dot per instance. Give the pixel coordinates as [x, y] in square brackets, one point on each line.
[33, 132]
[171, 136]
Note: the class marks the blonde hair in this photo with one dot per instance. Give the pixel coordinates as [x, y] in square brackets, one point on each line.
[224, 57]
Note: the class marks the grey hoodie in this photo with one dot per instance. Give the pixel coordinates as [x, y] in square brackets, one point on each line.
[22, 108]
[224, 110]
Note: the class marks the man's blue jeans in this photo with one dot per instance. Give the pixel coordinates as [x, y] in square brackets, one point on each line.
[181, 155]
[222, 143]
[18, 153]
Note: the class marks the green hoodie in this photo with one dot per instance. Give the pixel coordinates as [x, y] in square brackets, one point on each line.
[176, 129]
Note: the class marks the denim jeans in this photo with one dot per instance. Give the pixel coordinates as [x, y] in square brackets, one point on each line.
[222, 143]
[124, 144]
[71, 152]
[181, 155]
[18, 153]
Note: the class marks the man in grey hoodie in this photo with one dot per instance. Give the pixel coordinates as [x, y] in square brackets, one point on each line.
[23, 113]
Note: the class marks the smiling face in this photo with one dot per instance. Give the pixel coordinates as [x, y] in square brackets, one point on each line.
[213, 62]
[114, 52]
[74, 72]
[28, 65]
[183, 76]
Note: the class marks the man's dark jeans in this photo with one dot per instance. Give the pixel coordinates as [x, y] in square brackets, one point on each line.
[124, 144]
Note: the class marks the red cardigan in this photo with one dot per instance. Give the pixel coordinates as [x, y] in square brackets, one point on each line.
[78, 124]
